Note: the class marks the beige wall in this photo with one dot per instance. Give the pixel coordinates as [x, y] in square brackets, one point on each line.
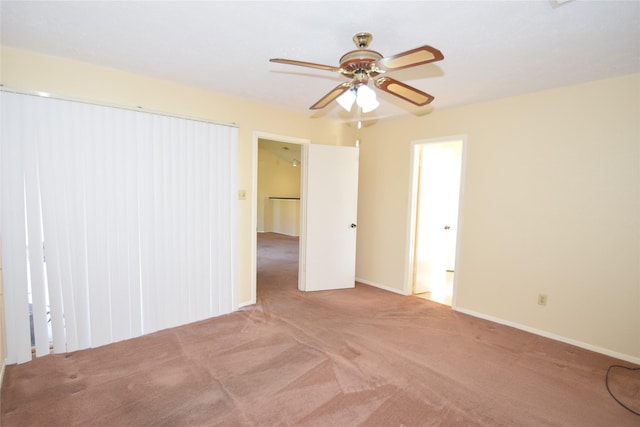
[551, 205]
[276, 178]
[31, 71]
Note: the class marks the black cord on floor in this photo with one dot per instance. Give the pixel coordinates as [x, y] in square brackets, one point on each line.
[606, 382]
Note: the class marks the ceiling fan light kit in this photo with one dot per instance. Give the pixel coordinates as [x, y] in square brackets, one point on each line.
[366, 98]
[347, 99]
[362, 65]
[362, 95]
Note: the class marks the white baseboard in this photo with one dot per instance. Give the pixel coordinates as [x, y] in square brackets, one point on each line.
[380, 286]
[278, 232]
[525, 328]
[246, 303]
[552, 336]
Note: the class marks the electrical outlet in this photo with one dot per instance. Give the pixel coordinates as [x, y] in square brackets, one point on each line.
[542, 299]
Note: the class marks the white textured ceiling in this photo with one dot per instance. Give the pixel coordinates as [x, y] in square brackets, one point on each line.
[492, 49]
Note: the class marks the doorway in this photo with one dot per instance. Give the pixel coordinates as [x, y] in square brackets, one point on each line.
[278, 204]
[278, 196]
[328, 215]
[436, 200]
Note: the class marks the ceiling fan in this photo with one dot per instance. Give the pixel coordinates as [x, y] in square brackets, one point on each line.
[363, 65]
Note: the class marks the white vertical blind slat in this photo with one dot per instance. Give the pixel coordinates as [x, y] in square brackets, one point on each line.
[147, 185]
[179, 288]
[191, 267]
[49, 205]
[76, 216]
[199, 228]
[231, 137]
[220, 250]
[62, 218]
[35, 240]
[213, 231]
[166, 313]
[230, 175]
[14, 266]
[133, 208]
[97, 228]
[133, 226]
[208, 225]
[119, 191]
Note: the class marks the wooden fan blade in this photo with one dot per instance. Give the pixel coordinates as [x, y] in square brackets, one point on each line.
[305, 64]
[411, 58]
[404, 91]
[336, 92]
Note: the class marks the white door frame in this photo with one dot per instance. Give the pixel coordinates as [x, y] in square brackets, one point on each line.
[413, 204]
[254, 196]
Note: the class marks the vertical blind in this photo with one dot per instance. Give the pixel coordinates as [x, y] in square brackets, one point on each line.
[115, 223]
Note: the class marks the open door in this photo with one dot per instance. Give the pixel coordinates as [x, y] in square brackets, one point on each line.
[328, 217]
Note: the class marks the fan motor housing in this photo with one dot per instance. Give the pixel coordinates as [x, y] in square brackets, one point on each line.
[359, 62]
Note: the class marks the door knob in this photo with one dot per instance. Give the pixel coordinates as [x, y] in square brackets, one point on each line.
[446, 227]
[353, 226]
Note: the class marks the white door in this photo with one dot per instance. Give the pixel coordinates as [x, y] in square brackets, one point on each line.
[437, 214]
[451, 179]
[328, 217]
